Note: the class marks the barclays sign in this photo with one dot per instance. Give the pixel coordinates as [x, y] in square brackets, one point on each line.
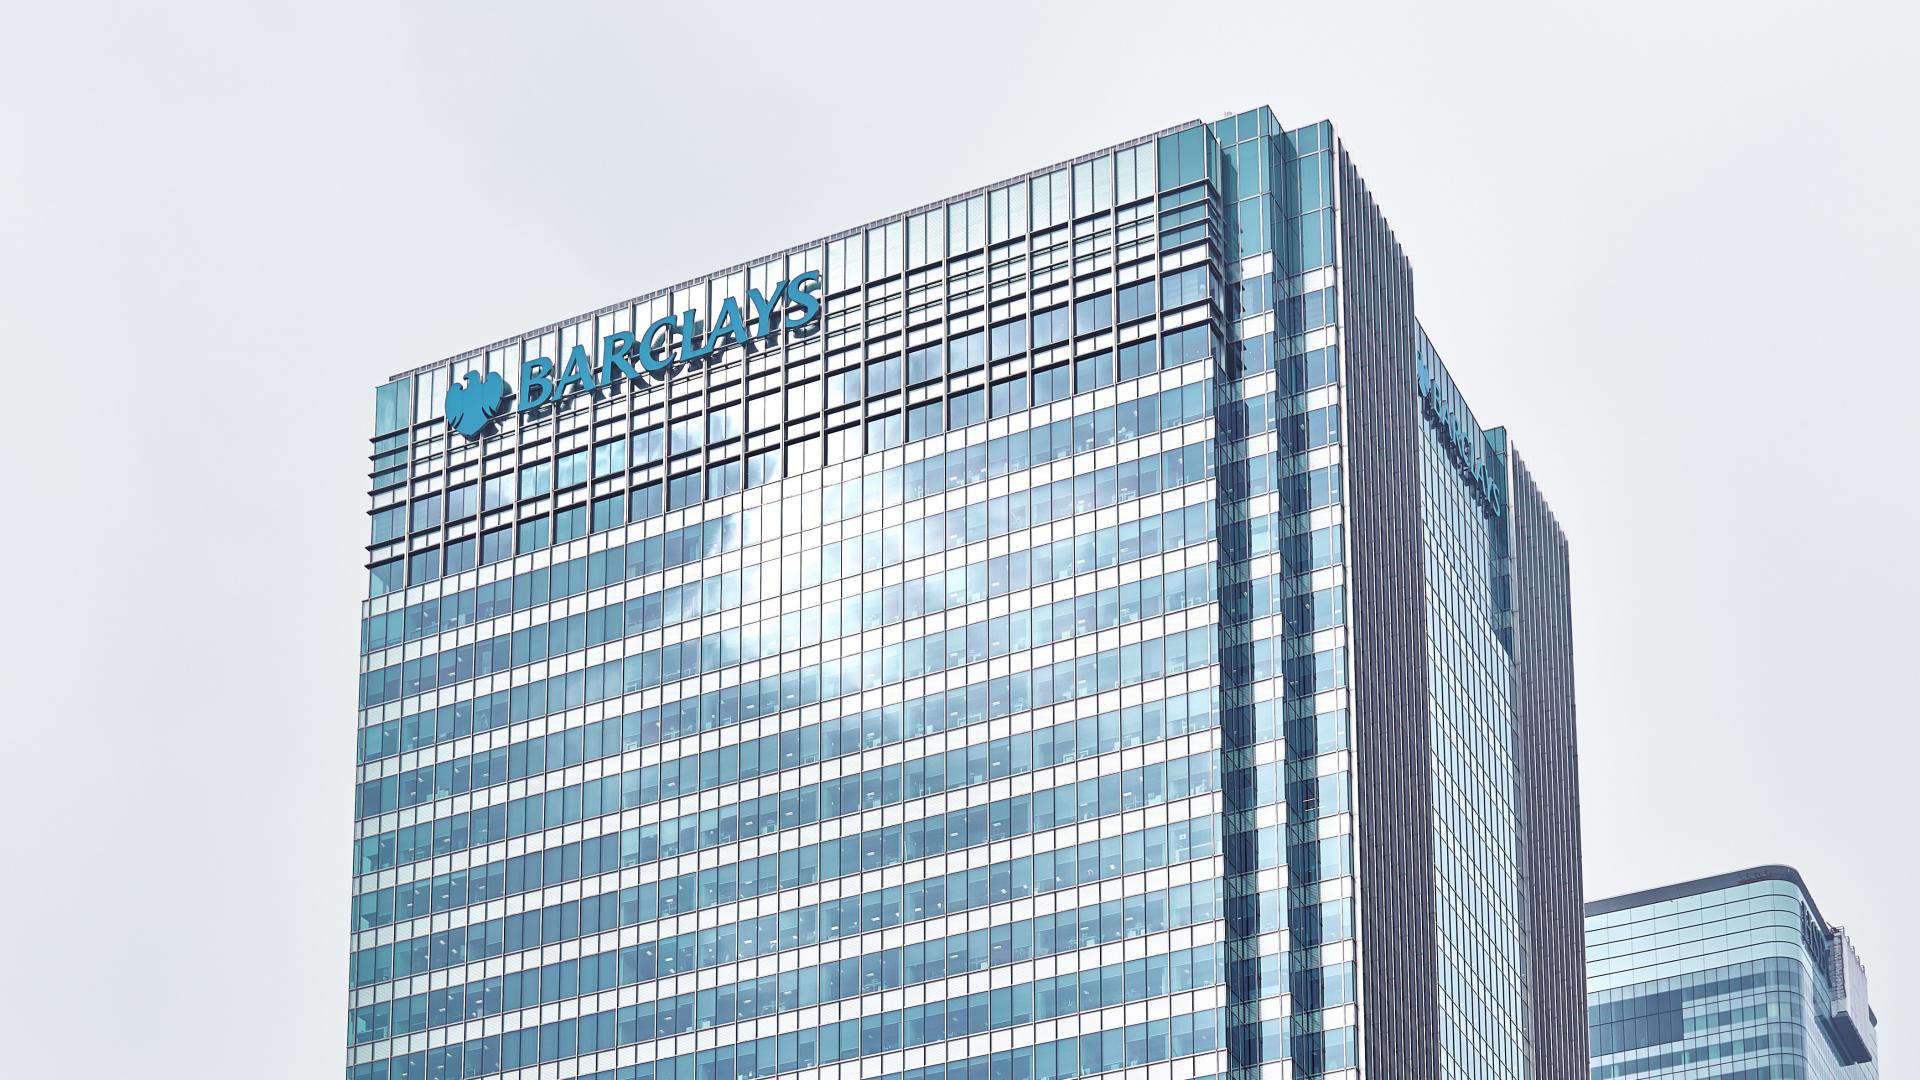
[1465, 442]
[666, 344]
[472, 407]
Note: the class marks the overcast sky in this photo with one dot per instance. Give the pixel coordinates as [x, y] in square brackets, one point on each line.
[1669, 246]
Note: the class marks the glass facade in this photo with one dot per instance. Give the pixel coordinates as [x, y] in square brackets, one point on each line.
[1734, 976]
[1475, 817]
[972, 681]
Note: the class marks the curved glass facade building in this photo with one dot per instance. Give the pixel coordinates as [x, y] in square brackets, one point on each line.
[1735, 976]
[1072, 627]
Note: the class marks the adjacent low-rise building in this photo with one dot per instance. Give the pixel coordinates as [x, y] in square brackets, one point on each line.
[1734, 977]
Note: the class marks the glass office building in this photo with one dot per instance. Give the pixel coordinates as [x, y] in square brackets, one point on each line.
[1735, 976]
[1072, 627]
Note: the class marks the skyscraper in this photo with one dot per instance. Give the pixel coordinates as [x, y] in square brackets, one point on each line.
[1074, 625]
[1732, 976]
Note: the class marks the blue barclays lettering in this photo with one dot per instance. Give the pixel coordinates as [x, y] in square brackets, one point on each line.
[668, 343]
[1472, 461]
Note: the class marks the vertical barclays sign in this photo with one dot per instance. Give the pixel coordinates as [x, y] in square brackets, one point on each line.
[668, 343]
[1465, 442]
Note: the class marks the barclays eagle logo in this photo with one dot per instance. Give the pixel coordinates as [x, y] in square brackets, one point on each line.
[472, 407]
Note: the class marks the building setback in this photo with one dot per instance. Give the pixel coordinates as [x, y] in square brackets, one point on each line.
[1736, 976]
[1074, 626]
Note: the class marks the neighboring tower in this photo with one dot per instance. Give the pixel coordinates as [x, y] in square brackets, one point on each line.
[1734, 976]
[1074, 626]
[1463, 708]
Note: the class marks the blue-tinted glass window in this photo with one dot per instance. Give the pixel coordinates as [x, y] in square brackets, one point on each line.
[725, 422]
[1312, 180]
[463, 502]
[496, 492]
[386, 577]
[1256, 353]
[609, 511]
[460, 556]
[763, 467]
[390, 468]
[1136, 300]
[1009, 395]
[1318, 368]
[1093, 313]
[536, 479]
[610, 458]
[571, 469]
[1323, 486]
[926, 363]
[1049, 328]
[885, 432]
[426, 512]
[1009, 339]
[648, 500]
[1184, 287]
[1092, 372]
[649, 446]
[392, 406]
[683, 490]
[533, 534]
[1183, 158]
[1321, 427]
[967, 408]
[1139, 358]
[496, 544]
[1313, 240]
[724, 478]
[967, 352]
[683, 435]
[883, 376]
[570, 524]
[1051, 384]
[1255, 294]
[925, 420]
[843, 387]
[389, 523]
[423, 565]
[1186, 346]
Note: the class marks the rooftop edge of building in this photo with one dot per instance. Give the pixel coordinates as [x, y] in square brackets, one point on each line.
[1850, 1020]
[1764, 872]
[605, 309]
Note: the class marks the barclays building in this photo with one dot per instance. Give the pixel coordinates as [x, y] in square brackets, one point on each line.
[1072, 628]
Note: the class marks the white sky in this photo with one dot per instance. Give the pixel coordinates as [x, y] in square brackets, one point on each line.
[1669, 246]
